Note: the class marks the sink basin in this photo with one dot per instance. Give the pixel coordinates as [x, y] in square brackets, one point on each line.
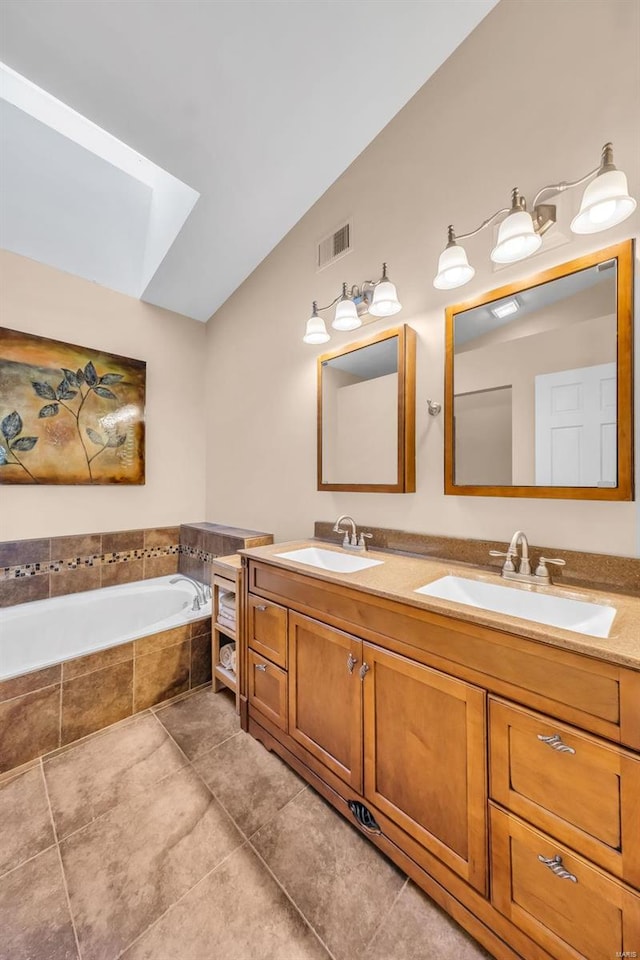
[591, 619]
[329, 560]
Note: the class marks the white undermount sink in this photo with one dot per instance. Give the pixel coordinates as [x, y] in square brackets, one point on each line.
[329, 560]
[591, 619]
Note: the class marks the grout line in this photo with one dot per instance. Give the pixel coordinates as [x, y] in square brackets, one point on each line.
[305, 920]
[182, 897]
[28, 860]
[385, 918]
[134, 797]
[64, 876]
[289, 897]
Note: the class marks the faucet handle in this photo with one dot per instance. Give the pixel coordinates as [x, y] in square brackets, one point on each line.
[361, 543]
[541, 569]
[508, 564]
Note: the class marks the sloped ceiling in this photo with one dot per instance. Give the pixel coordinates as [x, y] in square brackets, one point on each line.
[257, 105]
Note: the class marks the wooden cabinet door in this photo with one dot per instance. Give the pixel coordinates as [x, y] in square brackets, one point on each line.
[424, 760]
[325, 696]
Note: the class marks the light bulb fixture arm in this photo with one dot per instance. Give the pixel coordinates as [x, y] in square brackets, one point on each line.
[453, 236]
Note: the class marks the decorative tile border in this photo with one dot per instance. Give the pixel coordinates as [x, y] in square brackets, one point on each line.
[94, 560]
[41, 568]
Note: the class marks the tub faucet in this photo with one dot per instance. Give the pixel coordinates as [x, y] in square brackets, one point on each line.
[201, 596]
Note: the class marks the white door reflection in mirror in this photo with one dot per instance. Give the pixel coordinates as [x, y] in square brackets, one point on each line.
[576, 427]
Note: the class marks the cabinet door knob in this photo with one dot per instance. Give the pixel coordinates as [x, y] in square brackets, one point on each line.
[262, 667]
[351, 662]
[555, 865]
[261, 607]
[364, 669]
[556, 743]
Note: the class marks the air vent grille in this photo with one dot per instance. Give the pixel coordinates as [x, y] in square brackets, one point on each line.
[334, 246]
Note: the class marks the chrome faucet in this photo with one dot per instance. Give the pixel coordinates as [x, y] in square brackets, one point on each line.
[203, 591]
[523, 573]
[355, 542]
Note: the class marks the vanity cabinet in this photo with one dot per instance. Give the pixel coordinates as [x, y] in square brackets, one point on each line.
[502, 774]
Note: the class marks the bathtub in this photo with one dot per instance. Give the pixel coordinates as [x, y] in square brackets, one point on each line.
[45, 632]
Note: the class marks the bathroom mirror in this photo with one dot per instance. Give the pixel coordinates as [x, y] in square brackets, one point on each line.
[366, 415]
[538, 385]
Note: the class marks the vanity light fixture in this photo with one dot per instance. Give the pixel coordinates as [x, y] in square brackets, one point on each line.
[605, 203]
[376, 297]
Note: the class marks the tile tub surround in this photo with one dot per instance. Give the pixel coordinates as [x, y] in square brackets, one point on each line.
[128, 817]
[200, 543]
[598, 571]
[38, 569]
[50, 708]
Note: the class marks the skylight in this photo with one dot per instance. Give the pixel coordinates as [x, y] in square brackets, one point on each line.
[60, 190]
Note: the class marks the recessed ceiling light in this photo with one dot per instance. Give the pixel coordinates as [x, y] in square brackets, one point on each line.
[505, 309]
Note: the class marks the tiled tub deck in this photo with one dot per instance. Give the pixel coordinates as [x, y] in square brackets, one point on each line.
[49, 708]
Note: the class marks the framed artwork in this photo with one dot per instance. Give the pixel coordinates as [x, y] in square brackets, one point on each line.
[69, 414]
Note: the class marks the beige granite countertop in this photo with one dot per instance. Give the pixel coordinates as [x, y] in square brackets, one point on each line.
[400, 575]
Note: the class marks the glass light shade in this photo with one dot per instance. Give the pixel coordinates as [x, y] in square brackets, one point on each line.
[605, 202]
[346, 317]
[316, 331]
[385, 300]
[516, 238]
[454, 269]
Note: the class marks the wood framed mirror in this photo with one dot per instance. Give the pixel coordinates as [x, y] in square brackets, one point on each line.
[366, 415]
[539, 385]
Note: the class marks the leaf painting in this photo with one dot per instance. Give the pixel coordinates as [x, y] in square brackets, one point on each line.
[90, 427]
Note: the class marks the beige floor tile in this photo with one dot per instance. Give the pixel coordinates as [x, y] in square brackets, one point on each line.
[340, 882]
[238, 912]
[25, 821]
[250, 782]
[34, 915]
[417, 929]
[125, 869]
[200, 722]
[89, 779]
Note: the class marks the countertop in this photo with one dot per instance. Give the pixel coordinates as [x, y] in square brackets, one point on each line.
[400, 575]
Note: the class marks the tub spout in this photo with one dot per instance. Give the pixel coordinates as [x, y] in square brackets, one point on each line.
[200, 598]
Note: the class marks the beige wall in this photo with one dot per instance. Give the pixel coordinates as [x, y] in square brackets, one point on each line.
[506, 108]
[41, 300]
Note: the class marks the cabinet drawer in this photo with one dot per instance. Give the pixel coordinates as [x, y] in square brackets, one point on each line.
[577, 788]
[268, 689]
[586, 915]
[267, 629]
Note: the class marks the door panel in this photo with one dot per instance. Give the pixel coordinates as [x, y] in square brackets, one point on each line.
[424, 736]
[325, 696]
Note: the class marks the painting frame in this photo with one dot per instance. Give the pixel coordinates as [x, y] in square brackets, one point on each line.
[69, 415]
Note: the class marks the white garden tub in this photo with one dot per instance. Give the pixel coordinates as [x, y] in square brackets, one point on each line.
[44, 632]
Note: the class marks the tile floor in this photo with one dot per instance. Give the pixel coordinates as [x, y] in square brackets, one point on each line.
[173, 835]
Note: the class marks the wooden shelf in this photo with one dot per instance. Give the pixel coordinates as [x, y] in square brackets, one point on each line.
[226, 631]
[226, 676]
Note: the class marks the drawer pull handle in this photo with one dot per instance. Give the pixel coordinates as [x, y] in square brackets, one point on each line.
[364, 669]
[261, 607]
[351, 662]
[262, 667]
[555, 742]
[555, 865]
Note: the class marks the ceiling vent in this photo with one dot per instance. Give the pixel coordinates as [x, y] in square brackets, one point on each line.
[334, 246]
